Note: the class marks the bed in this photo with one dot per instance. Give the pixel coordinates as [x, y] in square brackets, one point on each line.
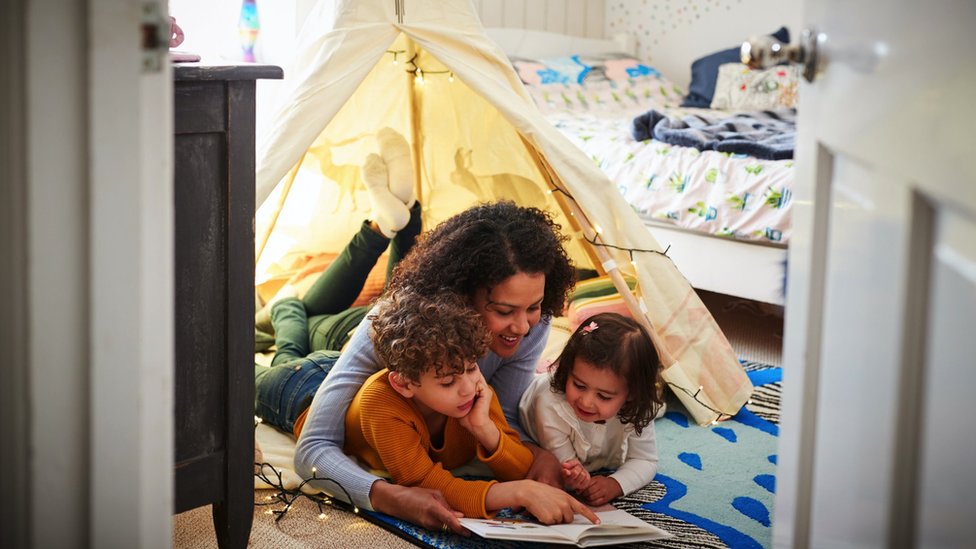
[724, 217]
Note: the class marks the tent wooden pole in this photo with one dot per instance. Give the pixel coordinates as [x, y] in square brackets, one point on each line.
[601, 257]
[274, 218]
[415, 127]
[622, 288]
[544, 169]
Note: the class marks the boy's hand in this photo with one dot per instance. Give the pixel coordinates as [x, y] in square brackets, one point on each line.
[601, 490]
[478, 421]
[575, 477]
[478, 416]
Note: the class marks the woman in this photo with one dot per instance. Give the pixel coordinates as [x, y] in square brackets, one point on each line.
[509, 263]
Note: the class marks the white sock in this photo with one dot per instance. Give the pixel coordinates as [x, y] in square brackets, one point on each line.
[389, 213]
[396, 153]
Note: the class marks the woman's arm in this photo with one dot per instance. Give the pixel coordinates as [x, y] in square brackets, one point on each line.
[320, 444]
[321, 447]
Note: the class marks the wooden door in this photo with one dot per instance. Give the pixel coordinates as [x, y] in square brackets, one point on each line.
[880, 343]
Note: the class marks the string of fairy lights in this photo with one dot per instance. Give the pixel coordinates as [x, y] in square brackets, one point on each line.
[418, 72]
[597, 240]
[287, 497]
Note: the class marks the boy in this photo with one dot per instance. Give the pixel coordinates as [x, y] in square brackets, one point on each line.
[430, 410]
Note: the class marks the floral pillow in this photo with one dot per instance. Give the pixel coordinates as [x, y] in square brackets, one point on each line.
[581, 69]
[740, 88]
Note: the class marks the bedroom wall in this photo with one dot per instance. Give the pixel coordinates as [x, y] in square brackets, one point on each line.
[673, 33]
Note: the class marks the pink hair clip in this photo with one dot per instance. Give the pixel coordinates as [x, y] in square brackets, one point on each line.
[590, 327]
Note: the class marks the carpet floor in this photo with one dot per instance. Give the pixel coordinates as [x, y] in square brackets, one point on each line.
[755, 332]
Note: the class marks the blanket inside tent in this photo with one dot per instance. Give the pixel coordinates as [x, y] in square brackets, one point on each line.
[427, 69]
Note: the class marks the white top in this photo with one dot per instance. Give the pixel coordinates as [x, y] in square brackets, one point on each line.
[549, 419]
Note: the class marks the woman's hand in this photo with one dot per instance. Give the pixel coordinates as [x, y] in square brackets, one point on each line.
[575, 476]
[601, 490]
[421, 506]
[551, 505]
[545, 467]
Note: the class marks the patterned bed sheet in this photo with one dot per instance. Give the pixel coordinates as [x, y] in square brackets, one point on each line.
[726, 195]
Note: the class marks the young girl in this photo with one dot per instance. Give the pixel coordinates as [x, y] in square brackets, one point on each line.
[596, 409]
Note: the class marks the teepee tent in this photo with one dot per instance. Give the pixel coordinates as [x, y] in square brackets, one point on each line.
[426, 69]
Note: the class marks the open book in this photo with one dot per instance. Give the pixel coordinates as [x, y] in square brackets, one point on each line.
[615, 527]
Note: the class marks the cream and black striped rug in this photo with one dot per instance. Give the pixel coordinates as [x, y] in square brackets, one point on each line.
[714, 487]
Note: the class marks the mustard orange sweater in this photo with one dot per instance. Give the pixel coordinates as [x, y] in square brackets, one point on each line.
[386, 431]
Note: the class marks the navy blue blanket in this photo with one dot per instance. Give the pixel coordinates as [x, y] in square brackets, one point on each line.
[769, 135]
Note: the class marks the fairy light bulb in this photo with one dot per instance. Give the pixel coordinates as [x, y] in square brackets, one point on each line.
[419, 77]
[322, 516]
[450, 78]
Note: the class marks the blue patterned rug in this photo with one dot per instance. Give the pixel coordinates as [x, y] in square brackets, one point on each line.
[714, 487]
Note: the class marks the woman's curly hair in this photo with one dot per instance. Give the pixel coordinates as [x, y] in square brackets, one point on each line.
[484, 245]
[610, 341]
[413, 333]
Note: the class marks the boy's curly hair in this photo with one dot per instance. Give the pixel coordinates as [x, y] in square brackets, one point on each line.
[413, 333]
[621, 345]
[484, 245]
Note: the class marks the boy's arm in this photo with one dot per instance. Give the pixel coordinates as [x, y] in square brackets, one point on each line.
[511, 460]
[641, 464]
[393, 429]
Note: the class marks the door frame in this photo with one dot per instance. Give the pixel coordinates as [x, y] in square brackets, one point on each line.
[89, 293]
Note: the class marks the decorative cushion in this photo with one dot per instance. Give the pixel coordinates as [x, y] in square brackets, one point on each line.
[582, 69]
[596, 295]
[743, 89]
[306, 270]
[704, 72]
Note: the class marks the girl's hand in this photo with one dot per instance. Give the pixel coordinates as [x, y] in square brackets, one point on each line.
[551, 505]
[575, 476]
[601, 490]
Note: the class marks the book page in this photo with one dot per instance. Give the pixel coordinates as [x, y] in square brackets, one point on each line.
[615, 527]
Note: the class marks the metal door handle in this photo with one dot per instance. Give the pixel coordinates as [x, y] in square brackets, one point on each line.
[763, 52]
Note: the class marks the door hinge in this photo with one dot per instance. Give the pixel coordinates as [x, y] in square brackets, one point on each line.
[154, 34]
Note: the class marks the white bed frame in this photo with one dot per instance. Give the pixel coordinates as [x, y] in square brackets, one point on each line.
[737, 268]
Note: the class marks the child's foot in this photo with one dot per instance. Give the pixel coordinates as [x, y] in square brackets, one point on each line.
[389, 213]
[396, 153]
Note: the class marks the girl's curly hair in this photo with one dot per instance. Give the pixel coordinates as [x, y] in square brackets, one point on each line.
[621, 345]
[484, 245]
[413, 333]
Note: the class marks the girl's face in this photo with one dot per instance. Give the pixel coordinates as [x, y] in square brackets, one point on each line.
[511, 309]
[595, 394]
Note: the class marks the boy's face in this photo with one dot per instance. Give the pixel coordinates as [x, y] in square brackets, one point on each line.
[450, 395]
[595, 394]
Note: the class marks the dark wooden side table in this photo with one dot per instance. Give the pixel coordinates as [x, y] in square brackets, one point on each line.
[214, 256]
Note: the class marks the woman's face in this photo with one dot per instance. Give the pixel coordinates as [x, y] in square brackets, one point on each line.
[511, 309]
